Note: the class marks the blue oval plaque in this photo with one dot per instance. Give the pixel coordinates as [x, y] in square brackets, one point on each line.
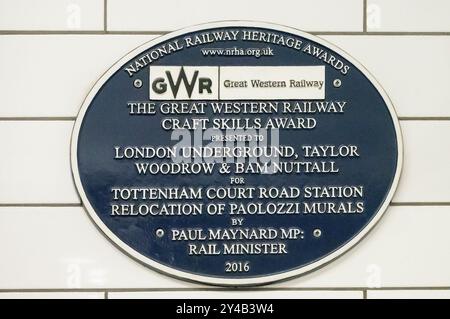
[236, 153]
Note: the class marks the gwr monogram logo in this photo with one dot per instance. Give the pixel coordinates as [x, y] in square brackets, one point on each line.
[179, 83]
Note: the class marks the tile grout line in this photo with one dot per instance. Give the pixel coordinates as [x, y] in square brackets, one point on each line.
[105, 16]
[220, 289]
[161, 32]
[38, 118]
[51, 32]
[37, 205]
[419, 204]
[424, 118]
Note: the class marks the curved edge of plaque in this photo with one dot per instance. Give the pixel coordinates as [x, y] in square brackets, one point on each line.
[218, 281]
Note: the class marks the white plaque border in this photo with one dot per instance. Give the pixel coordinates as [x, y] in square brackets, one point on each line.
[252, 281]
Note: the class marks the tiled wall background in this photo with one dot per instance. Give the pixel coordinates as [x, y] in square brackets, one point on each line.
[52, 52]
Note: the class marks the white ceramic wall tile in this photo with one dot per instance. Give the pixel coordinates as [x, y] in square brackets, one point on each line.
[55, 71]
[49, 76]
[49, 68]
[408, 248]
[35, 165]
[408, 294]
[319, 15]
[52, 295]
[426, 169]
[408, 15]
[51, 15]
[36, 162]
[237, 294]
[412, 69]
[61, 248]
